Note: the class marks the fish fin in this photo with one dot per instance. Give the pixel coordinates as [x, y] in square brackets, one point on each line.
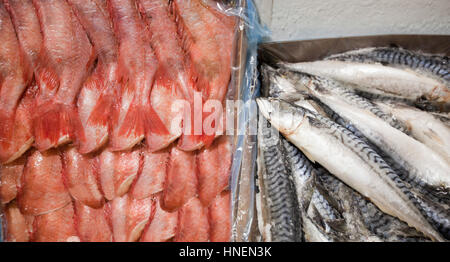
[53, 125]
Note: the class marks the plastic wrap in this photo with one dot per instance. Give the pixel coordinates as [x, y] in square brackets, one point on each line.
[242, 87]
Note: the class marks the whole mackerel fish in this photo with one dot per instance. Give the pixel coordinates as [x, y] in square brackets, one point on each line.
[333, 146]
[379, 80]
[278, 213]
[435, 65]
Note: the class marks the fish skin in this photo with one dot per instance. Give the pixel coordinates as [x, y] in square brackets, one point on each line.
[298, 122]
[138, 214]
[424, 126]
[92, 224]
[392, 56]
[402, 148]
[64, 63]
[42, 188]
[10, 177]
[129, 217]
[133, 115]
[126, 168]
[203, 34]
[96, 96]
[181, 179]
[28, 30]
[214, 164]
[106, 161]
[22, 138]
[220, 218]
[172, 79]
[17, 225]
[378, 79]
[56, 226]
[81, 178]
[151, 178]
[13, 82]
[193, 225]
[162, 226]
[283, 217]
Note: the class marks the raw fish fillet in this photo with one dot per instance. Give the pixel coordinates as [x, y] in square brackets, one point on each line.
[162, 226]
[129, 217]
[214, 165]
[10, 176]
[18, 226]
[22, 137]
[64, 64]
[209, 43]
[56, 226]
[220, 218]
[92, 224]
[13, 77]
[81, 178]
[28, 30]
[106, 161]
[42, 188]
[138, 215]
[151, 178]
[96, 96]
[181, 179]
[134, 115]
[126, 168]
[172, 79]
[193, 225]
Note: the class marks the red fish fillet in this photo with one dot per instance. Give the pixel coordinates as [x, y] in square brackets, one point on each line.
[138, 215]
[172, 80]
[10, 176]
[80, 177]
[209, 43]
[13, 77]
[106, 161]
[214, 165]
[151, 178]
[181, 179]
[126, 168]
[64, 64]
[193, 225]
[18, 226]
[96, 96]
[119, 218]
[162, 226]
[129, 217]
[220, 218]
[22, 136]
[28, 30]
[92, 224]
[56, 226]
[42, 188]
[133, 114]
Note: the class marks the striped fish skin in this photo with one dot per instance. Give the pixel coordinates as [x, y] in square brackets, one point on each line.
[432, 64]
[331, 145]
[277, 189]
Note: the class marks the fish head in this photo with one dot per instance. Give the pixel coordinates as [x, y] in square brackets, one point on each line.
[284, 116]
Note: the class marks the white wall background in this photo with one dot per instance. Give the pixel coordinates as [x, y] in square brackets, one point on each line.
[308, 19]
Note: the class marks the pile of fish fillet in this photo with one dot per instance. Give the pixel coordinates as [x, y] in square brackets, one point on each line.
[91, 141]
[355, 147]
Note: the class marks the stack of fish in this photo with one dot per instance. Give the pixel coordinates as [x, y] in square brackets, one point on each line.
[91, 141]
[357, 148]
